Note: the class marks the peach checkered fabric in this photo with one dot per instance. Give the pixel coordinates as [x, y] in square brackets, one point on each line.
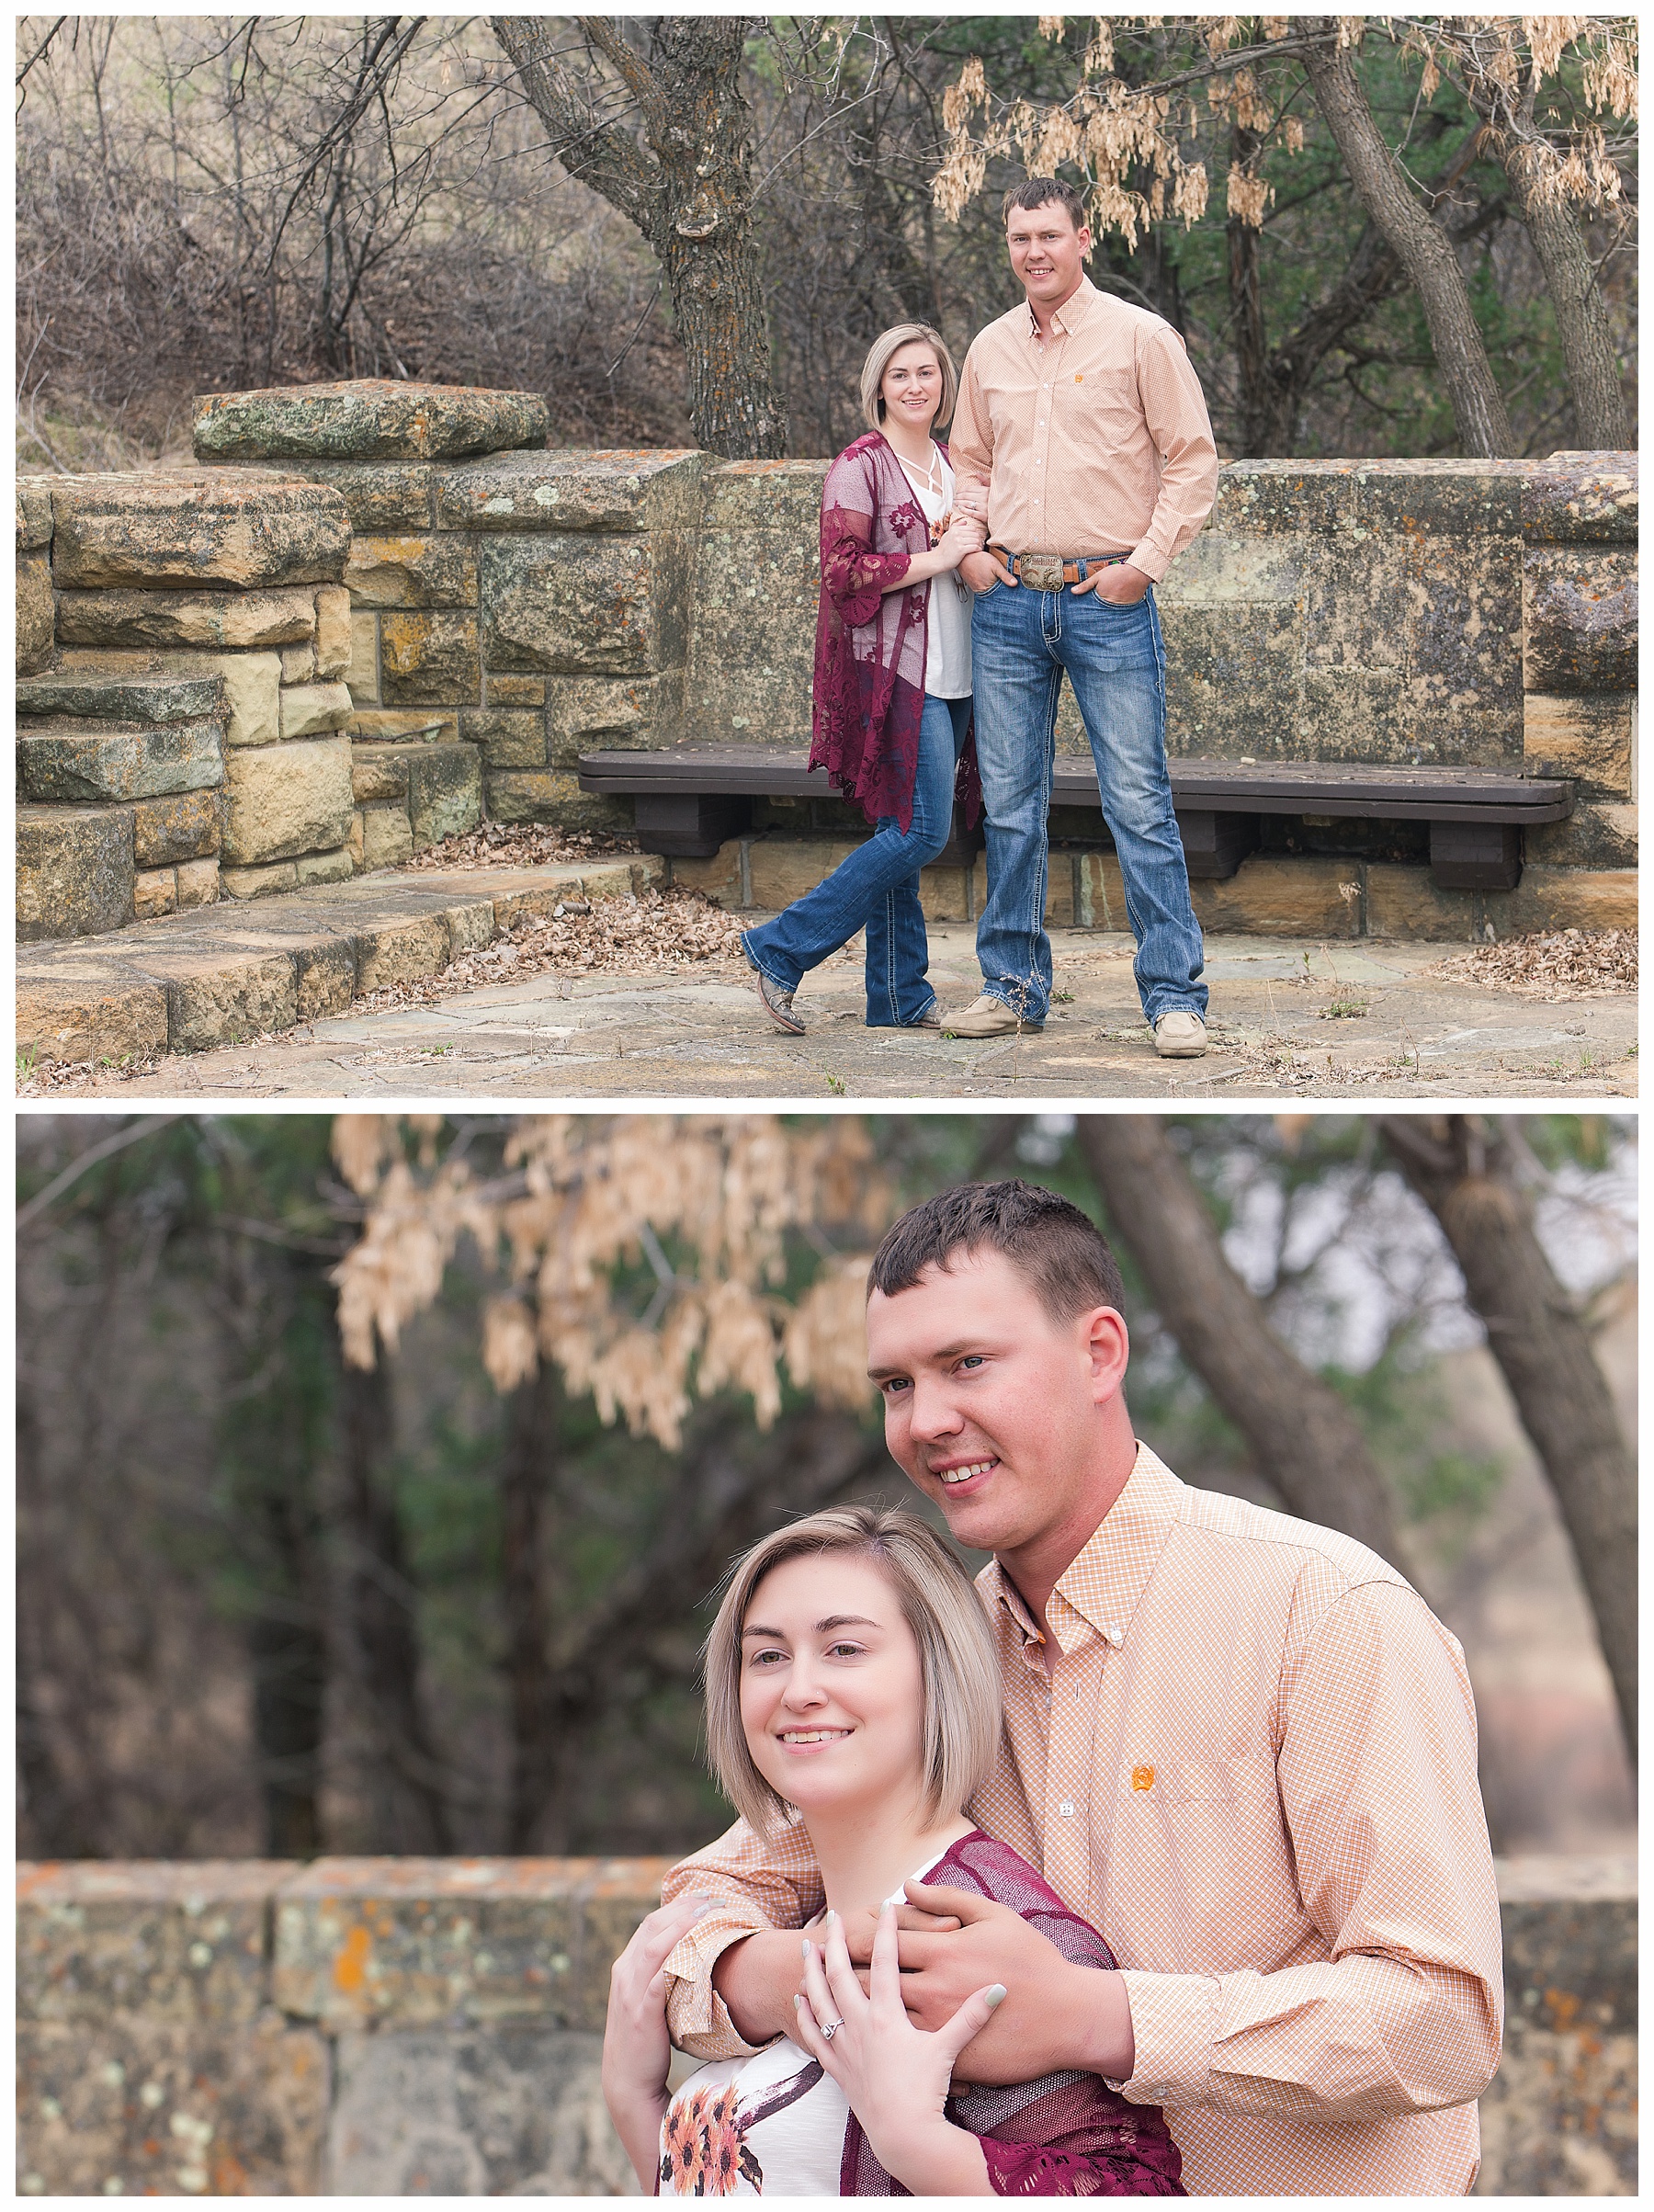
[1097, 441]
[1253, 1770]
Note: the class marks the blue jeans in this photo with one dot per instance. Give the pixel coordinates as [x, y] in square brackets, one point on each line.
[1021, 642]
[877, 887]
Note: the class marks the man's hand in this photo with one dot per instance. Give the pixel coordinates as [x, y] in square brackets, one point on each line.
[982, 571]
[1119, 583]
[1057, 2015]
[759, 1977]
[635, 2049]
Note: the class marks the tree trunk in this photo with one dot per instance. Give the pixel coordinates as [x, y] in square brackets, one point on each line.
[529, 1459]
[692, 201]
[410, 1811]
[1464, 1174]
[1603, 422]
[1423, 249]
[1261, 431]
[1302, 1437]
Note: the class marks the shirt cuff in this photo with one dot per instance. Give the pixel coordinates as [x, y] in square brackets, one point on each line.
[1151, 560]
[696, 2016]
[1174, 2021]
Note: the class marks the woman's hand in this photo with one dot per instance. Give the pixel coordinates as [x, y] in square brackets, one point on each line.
[895, 2076]
[963, 536]
[636, 2050]
[971, 494]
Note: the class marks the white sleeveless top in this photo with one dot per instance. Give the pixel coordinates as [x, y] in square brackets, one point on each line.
[759, 2126]
[947, 629]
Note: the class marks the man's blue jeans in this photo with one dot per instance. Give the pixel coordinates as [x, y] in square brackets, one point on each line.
[1021, 642]
[876, 887]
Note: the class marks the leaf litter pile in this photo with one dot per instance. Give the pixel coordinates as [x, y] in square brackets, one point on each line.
[517, 844]
[659, 930]
[1557, 964]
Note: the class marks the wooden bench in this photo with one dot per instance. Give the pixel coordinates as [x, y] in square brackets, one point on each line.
[688, 803]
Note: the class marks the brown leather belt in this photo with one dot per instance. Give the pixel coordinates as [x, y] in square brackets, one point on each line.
[1048, 573]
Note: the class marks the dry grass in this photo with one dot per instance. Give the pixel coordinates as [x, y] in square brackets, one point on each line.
[1560, 964]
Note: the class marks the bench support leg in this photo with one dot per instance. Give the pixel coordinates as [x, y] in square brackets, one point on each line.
[1472, 856]
[689, 826]
[1215, 842]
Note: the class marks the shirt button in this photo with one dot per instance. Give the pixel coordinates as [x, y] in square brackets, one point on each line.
[1067, 1809]
[1115, 1637]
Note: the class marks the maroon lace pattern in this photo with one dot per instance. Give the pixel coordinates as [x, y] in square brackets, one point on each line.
[870, 643]
[1067, 2134]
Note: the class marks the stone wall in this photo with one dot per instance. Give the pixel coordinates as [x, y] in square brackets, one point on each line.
[510, 606]
[182, 729]
[433, 2028]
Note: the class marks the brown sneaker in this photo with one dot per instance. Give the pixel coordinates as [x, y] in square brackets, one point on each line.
[988, 1017]
[1180, 1034]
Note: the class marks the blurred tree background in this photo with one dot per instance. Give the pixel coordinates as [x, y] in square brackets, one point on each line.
[272, 1599]
[214, 203]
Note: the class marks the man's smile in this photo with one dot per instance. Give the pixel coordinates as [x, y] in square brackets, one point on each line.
[958, 1472]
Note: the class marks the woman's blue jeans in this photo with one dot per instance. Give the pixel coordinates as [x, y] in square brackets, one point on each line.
[1021, 643]
[876, 887]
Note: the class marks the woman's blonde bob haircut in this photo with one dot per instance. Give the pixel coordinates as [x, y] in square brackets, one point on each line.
[960, 1671]
[892, 341]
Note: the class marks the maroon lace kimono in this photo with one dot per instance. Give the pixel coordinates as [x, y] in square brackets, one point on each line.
[869, 662]
[1066, 2134]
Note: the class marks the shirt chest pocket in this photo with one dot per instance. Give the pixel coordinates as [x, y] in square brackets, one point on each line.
[1210, 1832]
[1107, 398]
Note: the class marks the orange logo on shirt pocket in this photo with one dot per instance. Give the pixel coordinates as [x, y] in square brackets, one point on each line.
[1142, 1778]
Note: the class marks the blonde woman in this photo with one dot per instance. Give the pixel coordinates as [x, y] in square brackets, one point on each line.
[852, 1685]
[891, 716]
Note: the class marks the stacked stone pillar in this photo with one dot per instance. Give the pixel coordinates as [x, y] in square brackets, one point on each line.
[185, 727]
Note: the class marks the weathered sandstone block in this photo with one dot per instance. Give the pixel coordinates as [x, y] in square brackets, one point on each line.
[613, 606]
[1581, 498]
[603, 491]
[289, 799]
[325, 868]
[333, 631]
[184, 827]
[34, 514]
[516, 690]
[34, 631]
[381, 835]
[429, 659]
[298, 662]
[91, 1016]
[74, 870]
[553, 795]
[362, 671]
[1580, 629]
[368, 418]
[411, 571]
[259, 882]
[200, 526]
[155, 891]
[309, 708]
[509, 737]
[119, 695]
[231, 621]
[198, 882]
[90, 761]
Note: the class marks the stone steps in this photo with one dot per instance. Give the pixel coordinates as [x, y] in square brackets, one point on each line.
[217, 975]
[68, 760]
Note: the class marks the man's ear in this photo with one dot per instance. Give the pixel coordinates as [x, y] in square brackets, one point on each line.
[1107, 1342]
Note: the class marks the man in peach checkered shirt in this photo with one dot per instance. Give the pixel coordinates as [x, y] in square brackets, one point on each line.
[1238, 1744]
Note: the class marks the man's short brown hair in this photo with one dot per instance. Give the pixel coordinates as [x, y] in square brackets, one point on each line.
[1060, 1251]
[1040, 192]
